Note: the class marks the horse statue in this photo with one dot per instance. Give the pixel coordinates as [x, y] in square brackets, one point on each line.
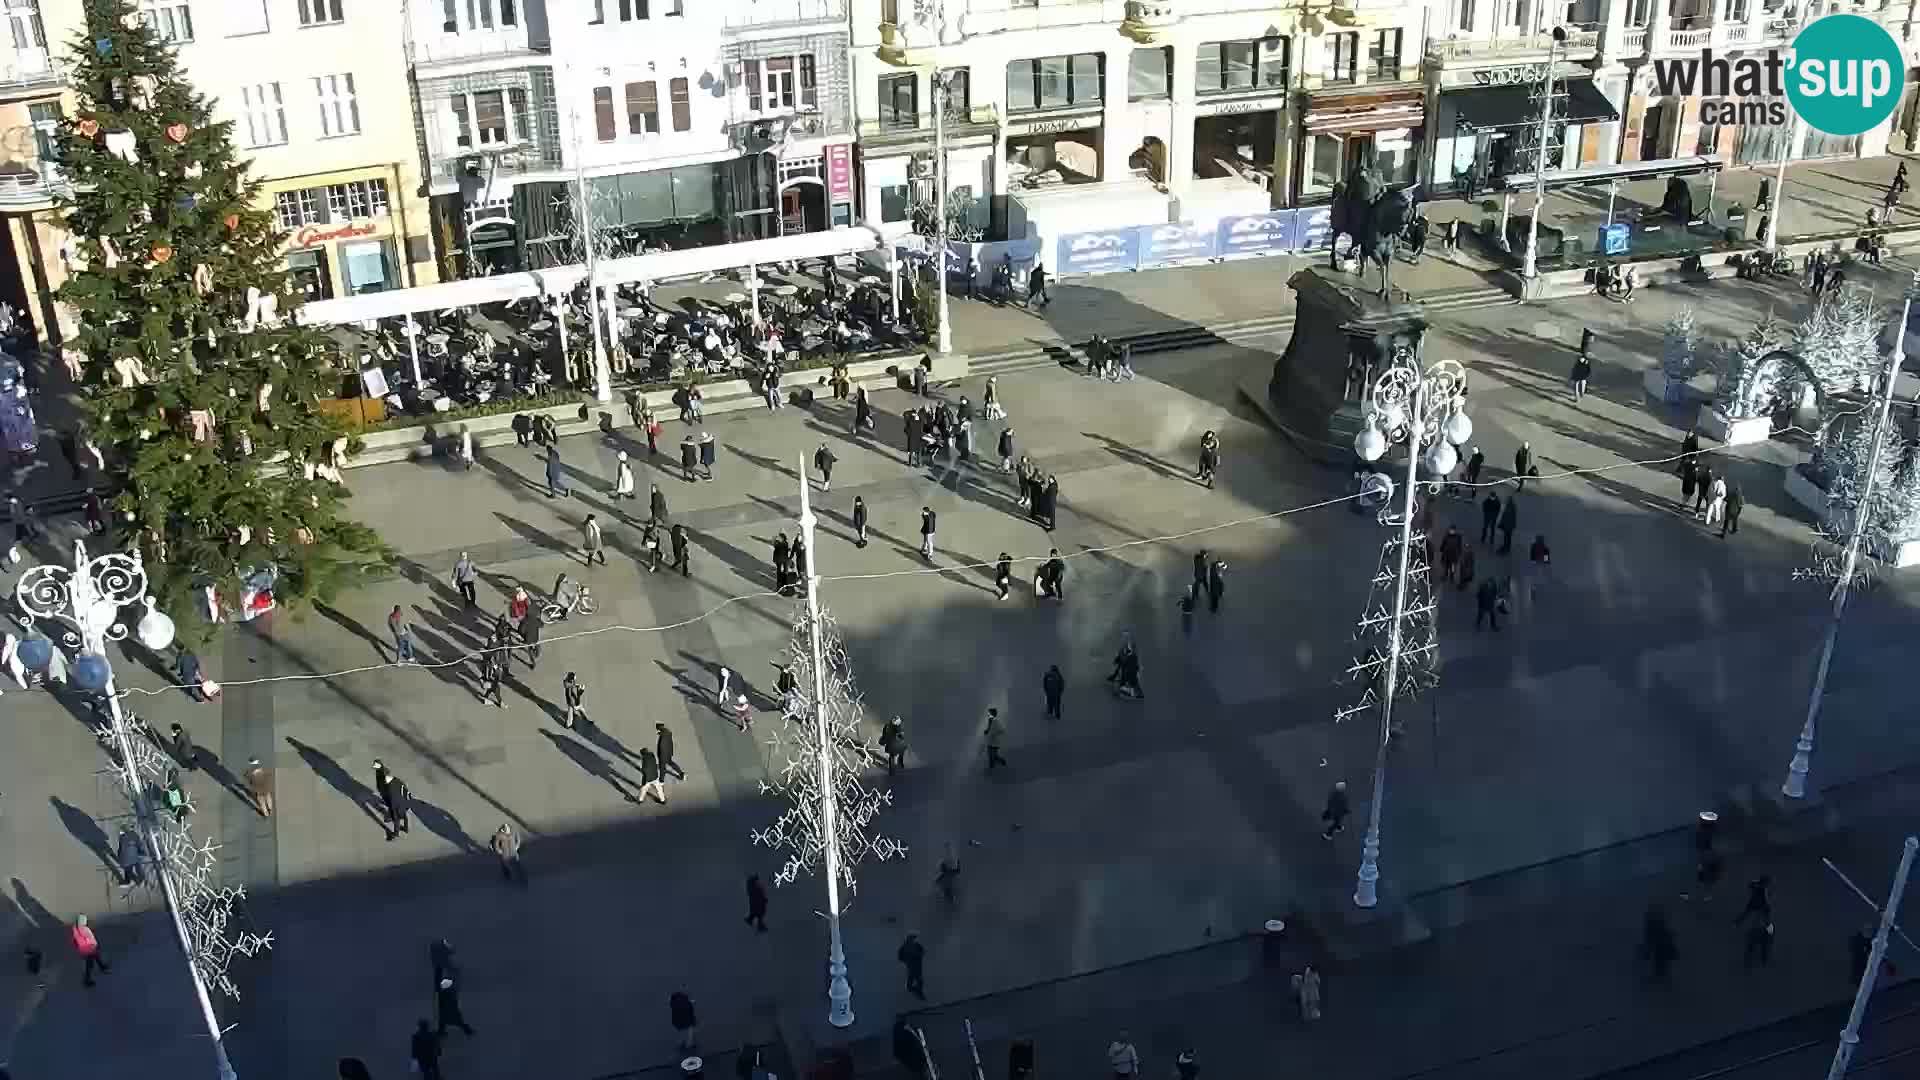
[1378, 220]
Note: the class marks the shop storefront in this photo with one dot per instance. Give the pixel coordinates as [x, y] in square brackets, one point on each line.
[1058, 148]
[341, 238]
[779, 189]
[1344, 129]
[1487, 124]
[1238, 137]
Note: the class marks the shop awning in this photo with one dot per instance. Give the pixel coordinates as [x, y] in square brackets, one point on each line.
[1373, 109]
[1485, 107]
[1601, 175]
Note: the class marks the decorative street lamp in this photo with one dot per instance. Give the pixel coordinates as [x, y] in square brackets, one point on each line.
[85, 603]
[1530, 259]
[943, 339]
[1422, 409]
[829, 804]
[1795, 786]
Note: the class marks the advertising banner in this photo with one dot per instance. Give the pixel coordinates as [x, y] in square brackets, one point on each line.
[1315, 229]
[1099, 252]
[1164, 245]
[1252, 234]
[840, 171]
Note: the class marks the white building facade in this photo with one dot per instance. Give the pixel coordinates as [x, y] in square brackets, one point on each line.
[1077, 114]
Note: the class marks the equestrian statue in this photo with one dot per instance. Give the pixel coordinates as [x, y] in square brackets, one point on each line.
[1378, 220]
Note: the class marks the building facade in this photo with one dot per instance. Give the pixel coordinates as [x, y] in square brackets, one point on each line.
[33, 98]
[1064, 114]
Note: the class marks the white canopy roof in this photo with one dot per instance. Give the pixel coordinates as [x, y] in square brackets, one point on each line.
[654, 266]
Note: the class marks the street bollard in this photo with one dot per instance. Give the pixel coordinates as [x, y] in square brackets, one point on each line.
[692, 1068]
[1273, 943]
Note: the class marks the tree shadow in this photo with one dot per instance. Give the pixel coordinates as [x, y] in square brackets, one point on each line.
[589, 762]
[341, 781]
[82, 827]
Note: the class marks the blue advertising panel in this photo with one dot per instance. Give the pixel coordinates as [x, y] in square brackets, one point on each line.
[1253, 234]
[1099, 252]
[1614, 238]
[1164, 245]
[1315, 230]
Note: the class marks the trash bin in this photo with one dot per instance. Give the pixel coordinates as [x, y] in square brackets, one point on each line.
[692, 1068]
[1273, 943]
[1704, 831]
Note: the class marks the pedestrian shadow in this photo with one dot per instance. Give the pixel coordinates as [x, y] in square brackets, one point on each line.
[435, 583]
[381, 647]
[31, 909]
[447, 618]
[589, 762]
[340, 780]
[209, 762]
[442, 658]
[604, 740]
[539, 537]
[768, 463]
[1134, 456]
[442, 824]
[82, 827]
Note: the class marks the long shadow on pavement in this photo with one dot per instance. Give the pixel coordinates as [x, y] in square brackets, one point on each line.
[357, 793]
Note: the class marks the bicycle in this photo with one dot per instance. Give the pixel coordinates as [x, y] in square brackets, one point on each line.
[582, 603]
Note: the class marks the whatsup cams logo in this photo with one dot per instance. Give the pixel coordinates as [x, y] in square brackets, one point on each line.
[1842, 76]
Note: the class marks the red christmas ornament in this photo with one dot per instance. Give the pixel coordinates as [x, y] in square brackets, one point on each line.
[87, 127]
[177, 132]
[233, 221]
[161, 253]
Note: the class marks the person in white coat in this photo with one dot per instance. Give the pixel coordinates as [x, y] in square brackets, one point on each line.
[10, 656]
[466, 447]
[623, 478]
[1717, 499]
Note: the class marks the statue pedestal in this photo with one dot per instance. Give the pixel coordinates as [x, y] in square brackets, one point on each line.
[1342, 336]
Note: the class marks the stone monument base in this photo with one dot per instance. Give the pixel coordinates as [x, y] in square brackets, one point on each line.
[1342, 336]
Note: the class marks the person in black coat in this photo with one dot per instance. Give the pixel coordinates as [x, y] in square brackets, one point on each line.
[782, 560]
[928, 523]
[1054, 686]
[859, 521]
[862, 412]
[446, 999]
[1522, 460]
[1216, 584]
[1053, 575]
[1003, 574]
[663, 749]
[1509, 520]
[756, 903]
[425, 1049]
[907, 1049]
[914, 430]
[1050, 498]
[657, 505]
[1489, 517]
[1487, 600]
[530, 636]
[1736, 501]
[1006, 449]
[689, 458]
[1474, 464]
[678, 539]
[522, 430]
[398, 802]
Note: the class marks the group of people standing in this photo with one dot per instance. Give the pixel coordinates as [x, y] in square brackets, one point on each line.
[1714, 497]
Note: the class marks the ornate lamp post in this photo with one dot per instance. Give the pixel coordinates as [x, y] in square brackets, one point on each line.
[829, 804]
[1529, 261]
[1422, 409]
[943, 340]
[86, 601]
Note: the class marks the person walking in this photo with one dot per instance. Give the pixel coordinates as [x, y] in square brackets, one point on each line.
[1337, 810]
[756, 903]
[927, 524]
[893, 743]
[556, 478]
[493, 670]
[446, 1001]
[530, 628]
[1123, 1058]
[1054, 686]
[1003, 575]
[1306, 989]
[88, 946]
[1759, 940]
[678, 539]
[1052, 578]
[1509, 521]
[685, 1024]
[130, 858]
[996, 737]
[1489, 517]
[1736, 502]
[1582, 367]
[574, 694]
[1037, 287]
[260, 786]
[709, 452]
[1209, 458]
[1704, 489]
[650, 778]
[1522, 461]
[401, 627]
[398, 803]
[1539, 563]
[1656, 944]
[663, 749]
[823, 460]
[1759, 901]
[1005, 448]
[1450, 549]
[689, 458]
[1475, 462]
[425, 1050]
[1216, 585]
[506, 848]
[911, 421]
[650, 424]
[592, 544]
[623, 477]
[947, 877]
[1717, 500]
[859, 521]
[466, 578]
[1487, 603]
[913, 957]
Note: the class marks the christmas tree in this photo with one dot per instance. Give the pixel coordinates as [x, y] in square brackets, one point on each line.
[1677, 351]
[198, 384]
[1739, 396]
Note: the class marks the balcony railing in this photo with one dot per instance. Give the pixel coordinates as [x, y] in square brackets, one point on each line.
[1579, 39]
[31, 188]
[1688, 40]
[1001, 16]
[1634, 41]
[524, 158]
[776, 13]
[467, 48]
[758, 134]
[961, 123]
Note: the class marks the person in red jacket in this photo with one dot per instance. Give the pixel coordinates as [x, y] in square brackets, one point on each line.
[88, 947]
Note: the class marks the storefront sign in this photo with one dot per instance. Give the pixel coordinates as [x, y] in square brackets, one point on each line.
[1054, 125]
[1164, 245]
[1253, 234]
[1099, 252]
[1240, 106]
[315, 235]
[1510, 75]
[840, 171]
[1314, 230]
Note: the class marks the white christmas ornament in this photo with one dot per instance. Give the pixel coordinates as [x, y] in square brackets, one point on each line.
[132, 373]
[203, 279]
[109, 255]
[266, 396]
[121, 144]
[194, 171]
